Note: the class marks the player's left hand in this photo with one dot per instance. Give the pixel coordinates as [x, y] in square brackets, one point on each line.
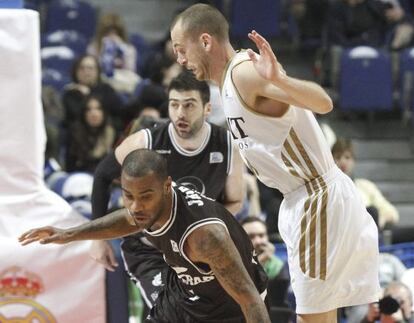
[265, 62]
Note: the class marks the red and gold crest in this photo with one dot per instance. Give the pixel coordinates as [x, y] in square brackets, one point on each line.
[18, 288]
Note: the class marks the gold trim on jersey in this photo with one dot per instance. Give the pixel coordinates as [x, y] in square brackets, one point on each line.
[317, 196]
[223, 76]
[243, 103]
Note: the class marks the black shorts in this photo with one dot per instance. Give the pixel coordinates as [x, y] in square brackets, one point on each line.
[162, 291]
[146, 267]
[171, 307]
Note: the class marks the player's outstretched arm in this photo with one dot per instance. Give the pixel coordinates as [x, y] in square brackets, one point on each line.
[299, 92]
[212, 244]
[114, 225]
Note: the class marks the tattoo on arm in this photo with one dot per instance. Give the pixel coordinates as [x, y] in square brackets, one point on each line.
[213, 245]
[111, 226]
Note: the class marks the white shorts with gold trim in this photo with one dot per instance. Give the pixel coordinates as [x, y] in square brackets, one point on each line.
[332, 244]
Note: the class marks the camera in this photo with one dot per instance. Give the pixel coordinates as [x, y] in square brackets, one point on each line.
[388, 305]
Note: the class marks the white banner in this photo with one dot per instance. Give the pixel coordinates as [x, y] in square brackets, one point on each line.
[41, 284]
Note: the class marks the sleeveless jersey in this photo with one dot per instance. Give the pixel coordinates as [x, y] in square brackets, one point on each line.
[284, 152]
[200, 294]
[204, 169]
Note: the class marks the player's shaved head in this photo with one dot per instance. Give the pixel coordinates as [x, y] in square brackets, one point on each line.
[142, 162]
[202, 18]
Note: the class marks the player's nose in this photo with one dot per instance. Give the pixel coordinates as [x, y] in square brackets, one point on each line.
[181, 60]
[136, 207]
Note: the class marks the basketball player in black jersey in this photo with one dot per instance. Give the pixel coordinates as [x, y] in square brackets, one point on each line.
[199, 155]
[218, 278]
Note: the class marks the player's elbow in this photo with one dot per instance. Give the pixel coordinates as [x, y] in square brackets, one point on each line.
[326, 105]
[234, 207]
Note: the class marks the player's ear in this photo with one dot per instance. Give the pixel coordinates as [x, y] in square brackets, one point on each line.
[207, 109]
[167, 185]
[206, 41]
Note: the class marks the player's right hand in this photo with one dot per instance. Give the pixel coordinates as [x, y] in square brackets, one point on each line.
[45, 235]
[101, 251]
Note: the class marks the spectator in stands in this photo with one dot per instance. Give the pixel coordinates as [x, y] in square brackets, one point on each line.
[357, 22]
[310, 17]
[343, 154]
[391, 270]
[257, 232]
[351, 23]
[147, 109]
[274, 267]
[86, 80]
[162, 69]
[117, 57]
[111, 35]
[375, 23]
[90, 138]
[401, 27]
[394, 307]
[53, 118]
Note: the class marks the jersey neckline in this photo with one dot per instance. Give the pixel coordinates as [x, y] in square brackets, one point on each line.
[183, 151]
[167, 225]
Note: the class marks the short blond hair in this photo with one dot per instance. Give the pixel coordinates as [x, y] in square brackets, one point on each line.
[202, 18]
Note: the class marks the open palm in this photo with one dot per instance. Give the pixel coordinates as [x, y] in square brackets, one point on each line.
[265, 62]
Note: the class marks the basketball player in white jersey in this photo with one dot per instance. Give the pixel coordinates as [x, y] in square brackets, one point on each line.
[331, 240]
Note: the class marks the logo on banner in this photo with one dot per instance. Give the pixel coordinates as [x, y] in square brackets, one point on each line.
[18, 288]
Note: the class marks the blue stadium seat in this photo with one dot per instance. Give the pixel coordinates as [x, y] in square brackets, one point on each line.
[68, 38]
[407, 78]
[51, 166]
[71, 15]
[73, 186]
[262, 15]
[116, 202]
[84, 207]
[403, 251]
[58, 57]
[365, 81]
[55, 79]
[54, 178]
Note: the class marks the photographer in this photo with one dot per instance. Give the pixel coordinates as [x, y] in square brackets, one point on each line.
[257, 232]
[275, 268]
[394, 307]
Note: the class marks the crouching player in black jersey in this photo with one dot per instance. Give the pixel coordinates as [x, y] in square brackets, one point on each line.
[216, 277]
[199, 156]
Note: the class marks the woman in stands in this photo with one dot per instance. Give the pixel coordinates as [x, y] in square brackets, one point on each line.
[86, 80]
[90, 138]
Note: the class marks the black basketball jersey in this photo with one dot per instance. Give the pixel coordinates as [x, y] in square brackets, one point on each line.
[205, 169]
[199, 292]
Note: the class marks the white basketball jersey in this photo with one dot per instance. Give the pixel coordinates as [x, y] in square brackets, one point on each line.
[285, 152]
